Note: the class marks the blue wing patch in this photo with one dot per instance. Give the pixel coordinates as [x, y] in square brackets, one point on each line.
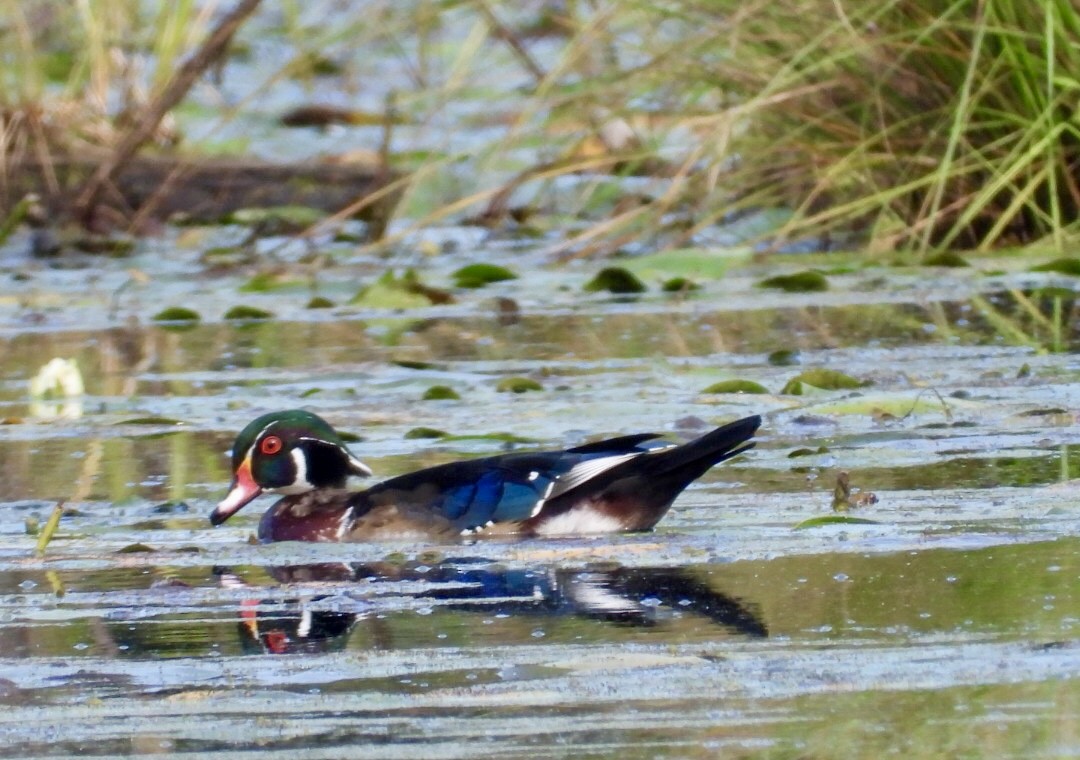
[496, 496]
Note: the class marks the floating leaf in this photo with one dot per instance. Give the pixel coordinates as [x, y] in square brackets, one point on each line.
[404, 292]
[826, 379]
[318, 302]
[691, 263]
[176, 314]
[499, 437]
[440, 393]
[241, 312]
[425, 432]
[815, 522]
[784, 357]
[149, 421]
[805, 452]
[410, 364]
[679, 285]
[615, 280]
[518, 385]
[810, 281]
[266, 282]
[310, 392]
[1066, 265]
[479, 275]
[736, 386]
[947, 259]
[135, 549]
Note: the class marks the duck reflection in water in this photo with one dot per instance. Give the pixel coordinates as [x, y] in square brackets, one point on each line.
[623, 596]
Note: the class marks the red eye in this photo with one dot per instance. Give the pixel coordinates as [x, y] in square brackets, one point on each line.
[270, 445]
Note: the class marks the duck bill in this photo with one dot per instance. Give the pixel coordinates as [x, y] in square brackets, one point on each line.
[243, 490]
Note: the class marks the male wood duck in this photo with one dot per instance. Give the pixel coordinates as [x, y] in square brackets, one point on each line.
[620, 484]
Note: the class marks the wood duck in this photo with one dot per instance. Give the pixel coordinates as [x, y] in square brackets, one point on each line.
[615, 485]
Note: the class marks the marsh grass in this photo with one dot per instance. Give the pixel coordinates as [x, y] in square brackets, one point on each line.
[915, 125]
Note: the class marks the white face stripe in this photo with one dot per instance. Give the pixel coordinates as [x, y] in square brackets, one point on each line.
[300, 483]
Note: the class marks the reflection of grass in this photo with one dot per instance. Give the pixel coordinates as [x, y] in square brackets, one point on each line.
[1023, 323]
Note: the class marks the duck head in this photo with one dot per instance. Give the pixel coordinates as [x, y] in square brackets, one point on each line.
[286, 453]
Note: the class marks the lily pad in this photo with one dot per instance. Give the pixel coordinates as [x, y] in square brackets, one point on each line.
[150, 421]
[815, 522]
[518, 385]
[615, 280]
[391, 291]
[806, 452]
[1069, 265]
[440, 393]
[479, 275]
[688, 263]
[242, 312]
[810, 281]
[424, 432]
[736, 386]
[135, 549]
[176, 314]
[319, 302]
[267, 282]
[783, 357]
[825, 379]
[679, 285]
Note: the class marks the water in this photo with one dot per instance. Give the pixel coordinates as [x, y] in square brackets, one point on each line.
[947, 626]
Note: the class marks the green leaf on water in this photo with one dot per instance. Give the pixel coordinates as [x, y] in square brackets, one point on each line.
[815, 522]
[479, 275]
[135, 549]
[318, 302]
[518, 385]
[783, 357]
[440, 393]
[405, 292]
[424, 432]
[810, 281]
[241, 312]
[825, 379]
[176, 314]
[736, 386]
[615, 280]
[679, 285]
[149, 421]
[1066, 265]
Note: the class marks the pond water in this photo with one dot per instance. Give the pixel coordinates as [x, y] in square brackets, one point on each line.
[947, 626]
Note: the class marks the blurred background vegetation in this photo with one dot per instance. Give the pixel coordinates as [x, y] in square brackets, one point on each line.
[904, 125]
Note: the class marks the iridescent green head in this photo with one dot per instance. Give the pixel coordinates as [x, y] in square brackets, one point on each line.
[288, 453]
